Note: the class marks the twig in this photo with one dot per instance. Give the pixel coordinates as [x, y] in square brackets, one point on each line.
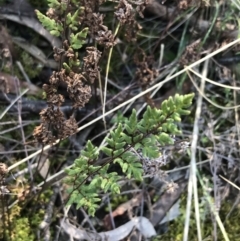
[44, 226]
[12, 103]
[19, 103]
[20, 173]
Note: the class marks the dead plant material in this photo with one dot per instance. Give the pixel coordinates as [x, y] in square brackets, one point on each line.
[165, 202]
[146, 71]
[183, 4]
[54, 81]
[141, 7]
[56, 123]
[4, 85]
[53, 116]
[77, 88]
[70, 126]
[51, 13]
[97, 22]
[105, 37]
[186, 4]
[3, 170]
[121, 209]
[126, 16]
[58, 53]
[159, 10]
[124, 12]
[42, 135]
[54, 126]
[8, 84]
[94, 21]
[191, 53]
[5, 58]
[90, 66]
[23, 193]
[6, 42]
[77, 79]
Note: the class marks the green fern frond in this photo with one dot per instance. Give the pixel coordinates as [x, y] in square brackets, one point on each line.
[54, 4]
[78, 40]
[123, 144]
[72, 20]
[50, 24]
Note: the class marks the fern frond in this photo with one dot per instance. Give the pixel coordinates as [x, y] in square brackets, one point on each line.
[124, 143]
[50, 24]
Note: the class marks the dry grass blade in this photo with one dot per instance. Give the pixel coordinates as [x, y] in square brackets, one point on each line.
[134, 98]
[192, 186]
[13, 102]
[88, 151]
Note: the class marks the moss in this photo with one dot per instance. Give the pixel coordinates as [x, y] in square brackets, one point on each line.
[22, 230]
[231, 225]
[16, 227]
[31, 67]
[22, 224]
